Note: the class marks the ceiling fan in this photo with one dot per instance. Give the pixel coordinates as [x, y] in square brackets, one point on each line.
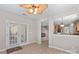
[34, 8]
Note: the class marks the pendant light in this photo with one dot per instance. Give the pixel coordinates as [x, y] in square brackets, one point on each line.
[62, 25]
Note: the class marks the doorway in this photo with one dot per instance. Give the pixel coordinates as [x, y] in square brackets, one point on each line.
[44, 33]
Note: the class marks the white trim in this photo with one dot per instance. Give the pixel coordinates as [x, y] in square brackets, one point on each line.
[21, 44]
[45, 19]
[68, 51]
[2, 50]
[40, 22]
[27, 43]
[18, 45]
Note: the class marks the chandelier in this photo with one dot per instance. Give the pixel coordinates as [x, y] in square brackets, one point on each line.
[34, 8]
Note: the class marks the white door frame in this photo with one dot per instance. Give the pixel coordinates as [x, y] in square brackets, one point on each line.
[39, 33]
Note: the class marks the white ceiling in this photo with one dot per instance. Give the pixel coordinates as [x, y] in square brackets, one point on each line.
[15, 8]
[53, 10]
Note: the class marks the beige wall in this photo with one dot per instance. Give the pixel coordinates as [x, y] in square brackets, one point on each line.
[5, 16]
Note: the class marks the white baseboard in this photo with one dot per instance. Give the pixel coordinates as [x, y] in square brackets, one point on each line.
[18, 45]
[68, 51]
[2, 50]
[27, 43]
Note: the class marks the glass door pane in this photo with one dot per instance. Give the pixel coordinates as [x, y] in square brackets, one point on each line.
[23, 33]
[13, 34]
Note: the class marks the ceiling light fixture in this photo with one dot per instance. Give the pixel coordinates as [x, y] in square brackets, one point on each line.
[62, 25]
[34, 8]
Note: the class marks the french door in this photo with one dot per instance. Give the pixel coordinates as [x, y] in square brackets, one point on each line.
[16, 34]
[23, 35]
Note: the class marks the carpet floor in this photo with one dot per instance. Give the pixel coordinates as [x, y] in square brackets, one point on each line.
[38, 49]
